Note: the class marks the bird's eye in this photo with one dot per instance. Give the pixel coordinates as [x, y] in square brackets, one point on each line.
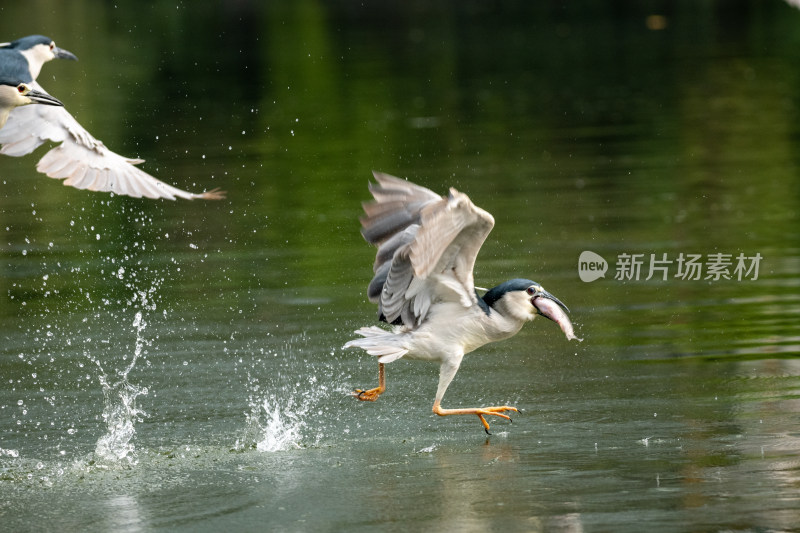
[531, 291]
[23, 89]
[52, 45]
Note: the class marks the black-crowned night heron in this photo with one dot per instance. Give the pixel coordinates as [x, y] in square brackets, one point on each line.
[423, 285]
[15, 93]
[81, 160]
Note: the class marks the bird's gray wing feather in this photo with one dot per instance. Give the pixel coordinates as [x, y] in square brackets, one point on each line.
[81, 160]
[427, 245]
[451, 235]
[397, 205]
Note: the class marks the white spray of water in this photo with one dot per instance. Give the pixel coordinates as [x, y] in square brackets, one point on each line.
[281, 431]
[9, 453]
[275, 423]
[120, 412]
[290, 399]
[285, 403]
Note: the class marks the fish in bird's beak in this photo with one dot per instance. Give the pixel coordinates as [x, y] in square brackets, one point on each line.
[551, 307]
[39, 97]
[60, 53]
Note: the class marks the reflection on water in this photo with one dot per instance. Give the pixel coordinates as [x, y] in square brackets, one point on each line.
[616, 129]
[125, 513]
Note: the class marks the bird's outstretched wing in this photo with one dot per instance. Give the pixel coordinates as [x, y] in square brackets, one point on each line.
[81, 160]
[427, 245]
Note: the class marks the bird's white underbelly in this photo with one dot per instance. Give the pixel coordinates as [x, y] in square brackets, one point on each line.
[452, 329]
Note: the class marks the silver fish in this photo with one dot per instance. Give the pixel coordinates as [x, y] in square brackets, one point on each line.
[552, 310]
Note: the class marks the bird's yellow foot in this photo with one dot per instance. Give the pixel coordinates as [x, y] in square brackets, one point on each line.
[480, 411]
[368, 395]
[494, 411]
[372, 394]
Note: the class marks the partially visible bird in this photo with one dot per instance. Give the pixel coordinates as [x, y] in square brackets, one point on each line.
[81, 160]
[15, 93]
[423, 285]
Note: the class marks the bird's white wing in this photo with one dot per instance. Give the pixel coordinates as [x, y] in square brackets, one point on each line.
[427, 245]
[81, 160]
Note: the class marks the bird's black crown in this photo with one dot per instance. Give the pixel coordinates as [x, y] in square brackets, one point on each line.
[494, 294]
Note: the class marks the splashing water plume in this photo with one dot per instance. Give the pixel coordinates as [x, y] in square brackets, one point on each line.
[279, 431]
[274, 424]
[120, 411]
[281, 414]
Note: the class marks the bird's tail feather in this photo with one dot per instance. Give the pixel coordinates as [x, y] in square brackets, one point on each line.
[387, 346]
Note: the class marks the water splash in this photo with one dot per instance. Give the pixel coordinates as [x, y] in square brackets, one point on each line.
[289, 402]
[273, 428]
[9, 453]
[120, 411]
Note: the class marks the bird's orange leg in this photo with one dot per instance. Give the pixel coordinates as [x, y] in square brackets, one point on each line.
[480, 411]
[372, 394]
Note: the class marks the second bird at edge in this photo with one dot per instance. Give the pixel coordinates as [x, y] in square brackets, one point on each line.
[81, 160]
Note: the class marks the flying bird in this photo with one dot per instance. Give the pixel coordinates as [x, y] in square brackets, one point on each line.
[81, 160]
[15, 93]
[423, 285]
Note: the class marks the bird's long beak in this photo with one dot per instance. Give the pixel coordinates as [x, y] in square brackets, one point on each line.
[39, 97]
[541, 293]
[60, 53]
